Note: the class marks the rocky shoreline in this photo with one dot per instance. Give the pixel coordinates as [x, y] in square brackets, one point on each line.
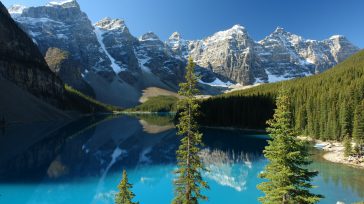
[334, 152]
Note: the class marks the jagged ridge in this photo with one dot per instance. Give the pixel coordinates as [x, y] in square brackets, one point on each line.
[111, 58]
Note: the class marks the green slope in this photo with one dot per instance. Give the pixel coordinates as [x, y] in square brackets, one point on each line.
[157, 104]
[81, 102]
[322, 105]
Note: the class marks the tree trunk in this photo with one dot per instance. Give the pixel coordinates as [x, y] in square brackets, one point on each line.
[188, 190]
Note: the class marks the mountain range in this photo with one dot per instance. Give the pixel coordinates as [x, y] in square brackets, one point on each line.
[105, 61]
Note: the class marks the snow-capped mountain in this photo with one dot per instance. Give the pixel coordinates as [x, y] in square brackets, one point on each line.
[281, 55]
[118, 66]
[178, 45]
[228, 53]
[290, 55]
[64, 26]
[109, 57]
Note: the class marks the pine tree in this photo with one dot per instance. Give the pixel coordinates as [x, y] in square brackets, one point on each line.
[347, 145]
[125, 195]
[330, 116]
[346, 119]
[288, 182]
[358, 129]
[189, 181]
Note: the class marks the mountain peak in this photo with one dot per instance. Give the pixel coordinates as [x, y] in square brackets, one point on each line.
[279, 30]
[111, 24]
[175, 36]
[178, 44]
[237, 27]
[236, 30]
[16, 9]
[281, 33]
[149, 36]
[63, 3]
[283, 37]
[337, 37]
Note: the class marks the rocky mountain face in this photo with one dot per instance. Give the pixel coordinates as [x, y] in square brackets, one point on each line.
[27, 84]
[108, 57]
[178, 45]
[20, 60]
[290, 55]
[138, 62]
[281, 55]
[229, 53]
[60, 62]
[65, 27]
[118, 43]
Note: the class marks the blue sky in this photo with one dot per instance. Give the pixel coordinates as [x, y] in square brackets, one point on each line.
[196, 19]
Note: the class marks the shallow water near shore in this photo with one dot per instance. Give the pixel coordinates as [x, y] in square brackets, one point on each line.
[82, 162]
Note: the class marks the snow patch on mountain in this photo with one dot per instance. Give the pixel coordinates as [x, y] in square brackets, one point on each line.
[60, 2]
[276, 78]
[16, 9]
[111, 24]
[174, 40]
[36, 21]
[178, 45]
[217, 82]
[227, 34]
[62, 36]
[143, 60]
[334, 37]
[99, 34]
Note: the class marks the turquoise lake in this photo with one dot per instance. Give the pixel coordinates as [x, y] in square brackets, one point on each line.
[82, 161]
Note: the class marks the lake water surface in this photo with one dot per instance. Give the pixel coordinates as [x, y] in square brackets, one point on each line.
[82, 162]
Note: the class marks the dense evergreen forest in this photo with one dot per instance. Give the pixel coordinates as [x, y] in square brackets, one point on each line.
[322, 105]
[157, 104]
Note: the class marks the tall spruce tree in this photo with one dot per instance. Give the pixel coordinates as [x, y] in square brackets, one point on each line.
[347, 146]
[358, 129]
[287, 179]
[125, 195]
[189, 182]
[346, 119]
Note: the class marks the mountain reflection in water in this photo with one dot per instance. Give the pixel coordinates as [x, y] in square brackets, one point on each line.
[82, 161]
[228, 168]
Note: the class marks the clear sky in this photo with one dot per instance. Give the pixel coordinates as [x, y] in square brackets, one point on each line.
[196, 19]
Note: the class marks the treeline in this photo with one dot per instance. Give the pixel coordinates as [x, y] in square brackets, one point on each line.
[87, 104]
[157, 104]
[248, 112]
[322, 105]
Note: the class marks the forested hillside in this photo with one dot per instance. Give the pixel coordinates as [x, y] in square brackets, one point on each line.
[157, 104]
[322, 105]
